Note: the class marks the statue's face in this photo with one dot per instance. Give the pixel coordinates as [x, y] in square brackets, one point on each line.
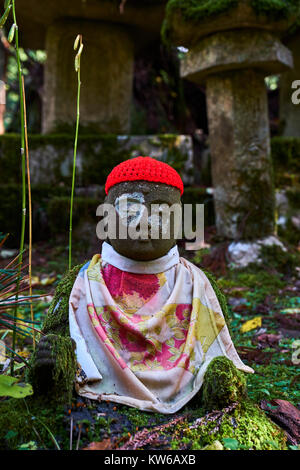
[140, 195]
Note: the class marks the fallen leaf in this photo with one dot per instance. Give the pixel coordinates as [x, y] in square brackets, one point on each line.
[266, 340]
[249, 325]
[10, 387]
[255, 355]
[2, 352]
[47, 281]
[291, 311]
[289, 321]
[103, 445]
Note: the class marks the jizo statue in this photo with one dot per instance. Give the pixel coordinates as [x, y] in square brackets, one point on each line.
[140, 325]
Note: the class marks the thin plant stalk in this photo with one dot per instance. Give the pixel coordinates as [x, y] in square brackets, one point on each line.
[23, 173]
[45, 426]
[29, 207]
[78, 40]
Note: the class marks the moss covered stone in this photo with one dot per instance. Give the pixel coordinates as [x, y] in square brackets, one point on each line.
[195, 10]
[57, 318]
[223, 384]
[51, 155]
[57, 380]
[246, 424]
[59, 384]
[198, 10]
[211, 16]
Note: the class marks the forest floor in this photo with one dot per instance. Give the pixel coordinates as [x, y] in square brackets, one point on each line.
[264, 307]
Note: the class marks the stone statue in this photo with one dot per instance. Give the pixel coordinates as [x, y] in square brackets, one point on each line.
[138, 325]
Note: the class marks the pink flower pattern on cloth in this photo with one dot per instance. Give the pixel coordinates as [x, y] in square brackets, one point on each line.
[143, 341]
[145, 334]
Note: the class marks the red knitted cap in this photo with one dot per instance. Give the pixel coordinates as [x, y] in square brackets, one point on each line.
[145, 169]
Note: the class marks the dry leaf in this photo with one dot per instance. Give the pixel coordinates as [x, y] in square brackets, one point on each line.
[249, 325]
[103, 445]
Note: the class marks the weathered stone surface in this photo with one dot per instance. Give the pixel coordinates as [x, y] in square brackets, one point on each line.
[233, 50]
[241, 254]
[51, 160]
[240, 150]
[34, 17]
[233, 64]
[290, 112]
[106, 76]
[188, 33]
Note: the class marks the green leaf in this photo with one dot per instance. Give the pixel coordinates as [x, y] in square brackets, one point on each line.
[264, 390]
[4, 16]
[31, 445]
[10, 434]
[10, 387]
[231, 444]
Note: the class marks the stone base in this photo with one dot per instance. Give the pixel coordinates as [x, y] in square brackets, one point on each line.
[242, 253]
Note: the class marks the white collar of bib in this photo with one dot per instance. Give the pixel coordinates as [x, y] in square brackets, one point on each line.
[159, 265]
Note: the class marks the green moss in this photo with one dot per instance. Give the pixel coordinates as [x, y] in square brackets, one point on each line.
[223, 384]
[247, 424]
[284, 262]
[57, 319]
[277, 9]
[60, 386]
[137, 418]
[28, 419]
[65, 369]
[197, 11]
[275, 381]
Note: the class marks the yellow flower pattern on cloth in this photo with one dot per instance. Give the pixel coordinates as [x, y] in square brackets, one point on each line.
[161, 341]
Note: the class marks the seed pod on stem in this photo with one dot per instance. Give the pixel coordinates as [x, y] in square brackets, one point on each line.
[11, 33]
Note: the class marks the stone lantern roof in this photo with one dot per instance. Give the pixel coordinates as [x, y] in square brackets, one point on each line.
[187, 21]
[113, 32]
[34, 17]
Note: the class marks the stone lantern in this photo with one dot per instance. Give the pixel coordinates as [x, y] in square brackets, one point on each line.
[110, 40]
[232, 53]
